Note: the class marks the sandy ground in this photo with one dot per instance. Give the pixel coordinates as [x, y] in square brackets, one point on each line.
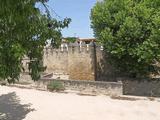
[25, 104]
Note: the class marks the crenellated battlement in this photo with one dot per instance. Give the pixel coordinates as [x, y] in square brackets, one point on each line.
[73, 48]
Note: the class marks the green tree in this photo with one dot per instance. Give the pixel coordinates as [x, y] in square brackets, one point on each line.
[71, 39]
[130, 33]
[24, 32]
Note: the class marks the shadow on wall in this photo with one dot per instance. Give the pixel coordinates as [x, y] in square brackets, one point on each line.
[141, 87]
[11, 109]
[105, 70]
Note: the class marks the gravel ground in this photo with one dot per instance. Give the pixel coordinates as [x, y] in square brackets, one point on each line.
[29, 104]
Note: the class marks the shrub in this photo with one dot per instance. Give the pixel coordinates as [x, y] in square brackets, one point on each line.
[55, 86]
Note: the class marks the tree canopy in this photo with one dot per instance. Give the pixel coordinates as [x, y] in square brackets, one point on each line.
[130, 33]
[24, 32]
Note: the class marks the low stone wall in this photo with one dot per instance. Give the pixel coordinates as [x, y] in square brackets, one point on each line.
[83, 86]
[95, 87]
[142, 87]
[128, 86]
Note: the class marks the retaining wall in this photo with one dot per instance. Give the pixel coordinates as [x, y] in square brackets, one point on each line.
[145, 87]
[93, 87]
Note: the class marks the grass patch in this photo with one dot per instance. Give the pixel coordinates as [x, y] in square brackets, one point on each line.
[55, 86]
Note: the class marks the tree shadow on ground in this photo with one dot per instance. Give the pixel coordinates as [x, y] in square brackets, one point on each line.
[11, 109]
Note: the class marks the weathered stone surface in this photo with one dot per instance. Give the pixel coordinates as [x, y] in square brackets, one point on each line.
[91, 87]
[83, 86]
[126, 87]
[144, 87]
[76, 63]
[80, 62]
[97, 87]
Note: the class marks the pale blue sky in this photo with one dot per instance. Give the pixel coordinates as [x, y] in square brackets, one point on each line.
[79, 12]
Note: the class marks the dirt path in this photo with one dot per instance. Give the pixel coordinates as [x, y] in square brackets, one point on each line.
[24, 104]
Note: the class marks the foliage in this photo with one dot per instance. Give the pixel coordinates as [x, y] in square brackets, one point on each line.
[24, 31]
[130, 33]
[55, 86]
[71, 39]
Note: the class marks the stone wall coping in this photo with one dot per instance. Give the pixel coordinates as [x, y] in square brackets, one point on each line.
[139, 79]
[82, 81]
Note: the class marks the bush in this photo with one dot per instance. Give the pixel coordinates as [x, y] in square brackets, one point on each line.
[55, 86]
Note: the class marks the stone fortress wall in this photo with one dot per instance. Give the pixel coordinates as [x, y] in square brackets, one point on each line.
[75, 61]
[72, 61]
[82, 60]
